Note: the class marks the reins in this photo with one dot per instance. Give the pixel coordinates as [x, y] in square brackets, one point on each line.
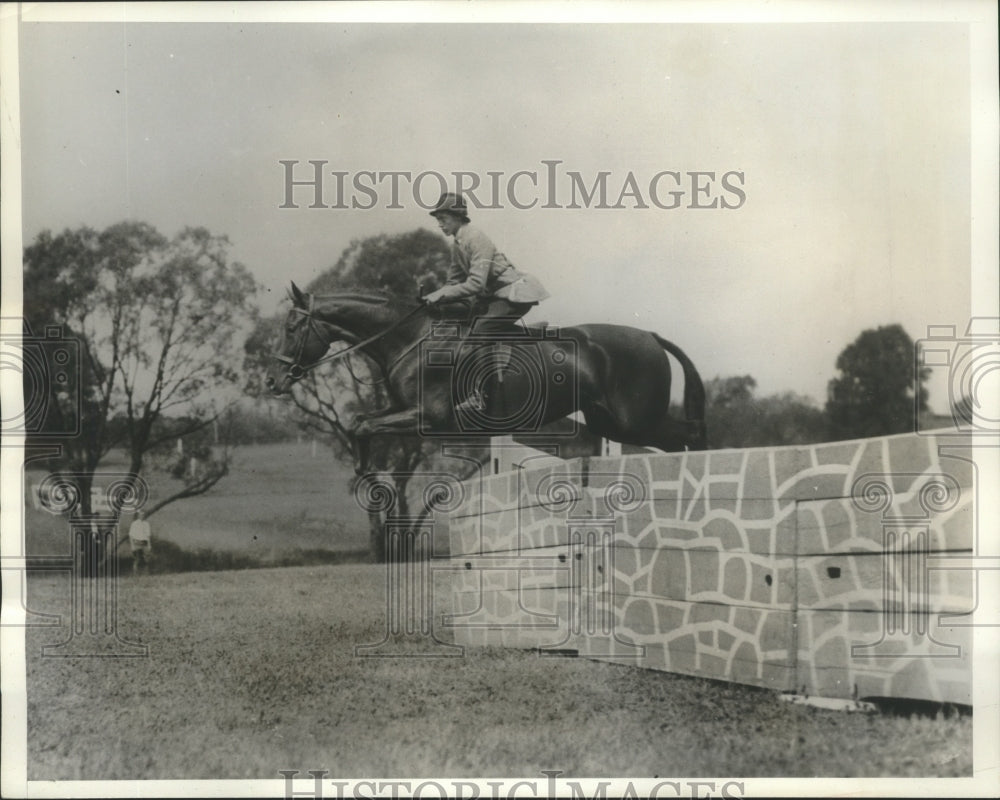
[296, 371]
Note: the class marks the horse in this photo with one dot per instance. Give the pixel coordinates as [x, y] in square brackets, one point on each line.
[617, 376]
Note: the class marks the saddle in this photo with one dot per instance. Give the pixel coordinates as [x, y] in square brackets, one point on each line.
[466, 312]
[455, 310]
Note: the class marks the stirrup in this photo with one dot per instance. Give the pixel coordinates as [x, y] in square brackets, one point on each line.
[502, 354]
[474, 402]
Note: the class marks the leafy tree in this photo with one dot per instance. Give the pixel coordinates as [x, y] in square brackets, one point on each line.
[329, 398]
[735, 417]
[878, 390]
[398, 264]
[729, 410]
[157, 321]
[69, 284]
[789, 418]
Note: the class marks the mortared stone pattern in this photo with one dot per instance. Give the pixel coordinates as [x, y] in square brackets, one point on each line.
[797, 568]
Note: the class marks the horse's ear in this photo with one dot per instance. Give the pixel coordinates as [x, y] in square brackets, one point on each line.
[297, 297]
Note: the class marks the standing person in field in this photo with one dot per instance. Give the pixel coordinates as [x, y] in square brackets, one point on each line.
[139, 538]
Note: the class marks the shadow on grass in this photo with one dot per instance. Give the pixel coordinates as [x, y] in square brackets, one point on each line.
[899, 707]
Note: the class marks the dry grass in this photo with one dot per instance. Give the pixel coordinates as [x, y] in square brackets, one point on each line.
[252, 672]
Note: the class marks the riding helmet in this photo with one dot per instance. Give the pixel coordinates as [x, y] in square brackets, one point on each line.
[451, 203]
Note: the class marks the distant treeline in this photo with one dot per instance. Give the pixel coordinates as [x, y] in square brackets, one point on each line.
[238, 425]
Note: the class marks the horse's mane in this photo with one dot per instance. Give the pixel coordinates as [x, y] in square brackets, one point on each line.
[366, 295]
[359, 293]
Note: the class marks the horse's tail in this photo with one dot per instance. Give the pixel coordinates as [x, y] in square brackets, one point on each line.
[694, 393]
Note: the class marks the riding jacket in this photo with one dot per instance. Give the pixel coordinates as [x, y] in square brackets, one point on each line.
[479, 269]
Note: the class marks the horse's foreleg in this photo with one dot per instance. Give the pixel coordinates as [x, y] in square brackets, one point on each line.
[404, 421]
[367, 415]
[361, 433]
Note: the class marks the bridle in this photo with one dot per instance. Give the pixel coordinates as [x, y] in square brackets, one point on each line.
[297, 371]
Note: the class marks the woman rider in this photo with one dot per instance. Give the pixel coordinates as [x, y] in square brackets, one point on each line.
[481, 272]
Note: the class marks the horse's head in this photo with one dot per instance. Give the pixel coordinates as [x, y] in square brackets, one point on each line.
[362, 319]
[303, 343]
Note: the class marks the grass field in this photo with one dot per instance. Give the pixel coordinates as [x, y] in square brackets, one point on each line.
[278, 499]
[254, 671]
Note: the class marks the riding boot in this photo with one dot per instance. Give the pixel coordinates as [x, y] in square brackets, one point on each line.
[501, 357]
[477, 400]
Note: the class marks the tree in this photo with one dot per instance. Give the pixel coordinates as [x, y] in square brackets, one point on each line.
[69, 285]
[330, 397]
[729, 410]
[878, 389]
[736, 418]
[397, 264]
[255, 421]
[158, 324]
[790, 418]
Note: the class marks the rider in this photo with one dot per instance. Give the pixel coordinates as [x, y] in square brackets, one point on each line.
[481, 272]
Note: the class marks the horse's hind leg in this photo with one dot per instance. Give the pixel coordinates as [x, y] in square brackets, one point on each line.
[601, 422]
[667, 434]
[673, 435]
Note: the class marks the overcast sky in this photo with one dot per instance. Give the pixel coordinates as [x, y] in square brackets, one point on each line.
[852, 141]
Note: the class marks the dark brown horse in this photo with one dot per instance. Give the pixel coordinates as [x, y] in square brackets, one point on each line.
[619, 377]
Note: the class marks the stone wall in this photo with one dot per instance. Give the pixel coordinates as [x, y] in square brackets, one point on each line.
[821, 569]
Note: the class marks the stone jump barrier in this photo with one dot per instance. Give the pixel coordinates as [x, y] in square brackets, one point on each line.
[834, 570]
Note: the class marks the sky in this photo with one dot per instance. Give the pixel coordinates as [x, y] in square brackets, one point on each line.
[849, 143]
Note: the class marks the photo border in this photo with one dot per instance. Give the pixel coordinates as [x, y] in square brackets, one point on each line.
[982, 20]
